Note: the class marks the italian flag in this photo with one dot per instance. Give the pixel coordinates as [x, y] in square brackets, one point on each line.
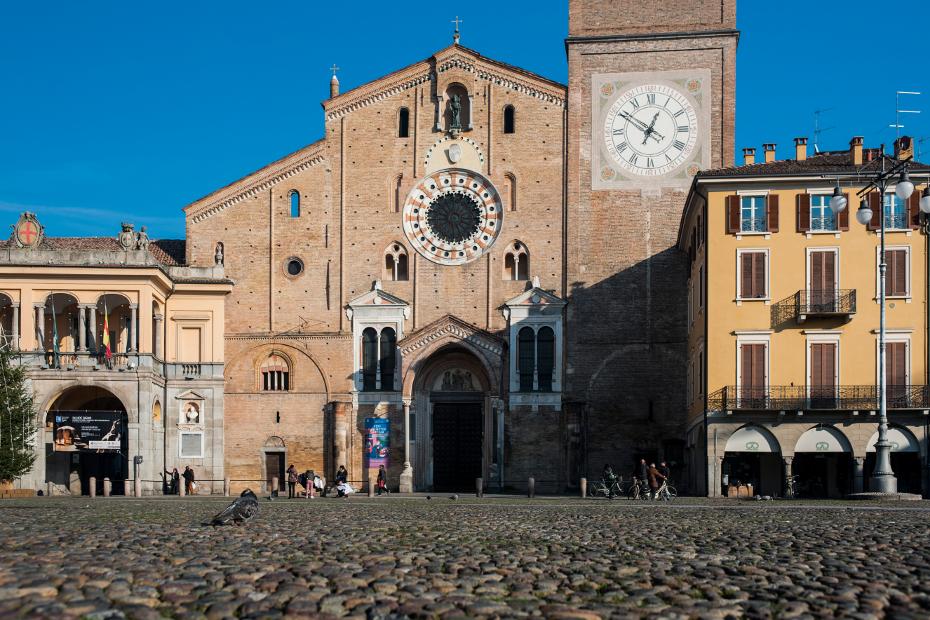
[108, 353]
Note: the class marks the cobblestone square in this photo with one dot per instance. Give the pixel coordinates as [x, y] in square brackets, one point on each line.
[413, 557]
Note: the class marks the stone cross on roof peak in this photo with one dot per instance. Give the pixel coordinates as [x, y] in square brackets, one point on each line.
[456, 35]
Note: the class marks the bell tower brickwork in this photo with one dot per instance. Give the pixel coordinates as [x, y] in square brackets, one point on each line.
[627, 284]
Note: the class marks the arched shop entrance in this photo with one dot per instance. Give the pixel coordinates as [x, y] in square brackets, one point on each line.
[905, 459]
[86, 430]
[753, 457]
[823, 463]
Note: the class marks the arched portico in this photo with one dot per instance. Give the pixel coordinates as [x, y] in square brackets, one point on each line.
[823, 462]
[753, 457]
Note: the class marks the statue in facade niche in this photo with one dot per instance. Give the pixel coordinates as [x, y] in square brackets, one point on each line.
[142, 239]
[456, 106]
[218, 254]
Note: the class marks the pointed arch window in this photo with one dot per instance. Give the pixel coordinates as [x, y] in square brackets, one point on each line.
[526, 358]
[295, 203]
[516, 262]
[388, 358]
[275, 374]
[396, 263]
[510, 120]
[369, 359]
[403, 123]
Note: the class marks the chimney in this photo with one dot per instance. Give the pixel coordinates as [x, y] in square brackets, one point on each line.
[334, 87]
[769, 152]
[903, 148]
[800, 149]
[749, 156]
[855, 151]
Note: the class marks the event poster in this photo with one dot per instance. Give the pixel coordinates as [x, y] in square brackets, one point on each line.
[377, 441]
[88, 430]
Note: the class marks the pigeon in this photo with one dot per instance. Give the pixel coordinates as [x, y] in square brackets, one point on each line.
[241, 510]
[453, 497]
[428, 497]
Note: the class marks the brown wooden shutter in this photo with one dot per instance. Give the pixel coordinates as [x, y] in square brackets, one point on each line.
[816, 275]
[804, 212]
[896, 364]
[913, 209]
[733, 214]
[875, 204]
[758, 365]
[758, 274]
[746, 365]
[771, 206]
[899, 258]
[752, 373]
[816, 365]
[829, 271]
[842, 218]
[745, 287]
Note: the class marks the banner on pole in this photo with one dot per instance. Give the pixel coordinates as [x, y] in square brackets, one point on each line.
[377, 441]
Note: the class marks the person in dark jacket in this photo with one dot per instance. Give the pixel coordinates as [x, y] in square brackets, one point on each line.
[643, 474]
[609, 477]
[291, 482]
[174, 478]
[664, 470]
[188, 480]
[342, 475]
[382, 480]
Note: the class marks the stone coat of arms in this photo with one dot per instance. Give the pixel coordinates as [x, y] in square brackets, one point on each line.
[28, 232]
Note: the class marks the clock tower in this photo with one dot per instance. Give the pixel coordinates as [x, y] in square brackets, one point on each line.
[651, 88]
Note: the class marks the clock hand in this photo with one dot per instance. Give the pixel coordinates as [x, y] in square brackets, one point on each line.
[650, 129]
[634, 120]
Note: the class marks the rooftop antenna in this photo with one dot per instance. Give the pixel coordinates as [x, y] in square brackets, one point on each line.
[818, 129]
[917, 149]
[898, 111]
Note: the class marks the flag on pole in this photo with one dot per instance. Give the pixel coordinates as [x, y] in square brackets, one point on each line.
[108, 353]
[56, 350]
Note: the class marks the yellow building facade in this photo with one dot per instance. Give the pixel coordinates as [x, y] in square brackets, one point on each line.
[783, 321]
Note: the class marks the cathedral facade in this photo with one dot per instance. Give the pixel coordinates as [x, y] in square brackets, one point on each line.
[474, 273]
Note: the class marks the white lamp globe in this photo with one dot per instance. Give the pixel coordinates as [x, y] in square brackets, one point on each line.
[864, 213]
[925, 200]
[904, 188]
[838, 201]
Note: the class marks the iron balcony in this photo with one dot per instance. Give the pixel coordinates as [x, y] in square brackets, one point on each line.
[803, 398]
[804, 304]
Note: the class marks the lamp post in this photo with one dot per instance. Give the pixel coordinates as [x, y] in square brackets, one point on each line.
[883, 478]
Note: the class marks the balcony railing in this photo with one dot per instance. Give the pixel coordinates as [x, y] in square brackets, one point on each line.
[803, 398]
[804, 304]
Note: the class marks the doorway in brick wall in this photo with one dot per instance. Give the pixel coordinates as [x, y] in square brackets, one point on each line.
[457, 445]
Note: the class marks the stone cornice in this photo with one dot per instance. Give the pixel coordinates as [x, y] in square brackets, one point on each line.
[258, 181]
[272, 338]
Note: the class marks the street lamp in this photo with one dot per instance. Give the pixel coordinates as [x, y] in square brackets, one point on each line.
[883, 479]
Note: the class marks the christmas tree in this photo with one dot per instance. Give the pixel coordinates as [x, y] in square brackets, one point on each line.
[17, 419]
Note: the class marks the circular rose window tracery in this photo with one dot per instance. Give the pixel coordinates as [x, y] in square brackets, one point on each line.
[453, 216]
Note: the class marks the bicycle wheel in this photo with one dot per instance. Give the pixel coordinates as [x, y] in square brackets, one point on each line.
[671, 491]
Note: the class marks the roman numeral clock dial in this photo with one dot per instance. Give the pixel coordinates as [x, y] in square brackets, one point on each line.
[651, 130]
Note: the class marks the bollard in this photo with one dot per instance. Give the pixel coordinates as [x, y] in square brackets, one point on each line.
[584, 488]
[372, 478]
[137, 487]
[92, 486]
[479, 487]
[274, 486]
[531, 487]
[182, 487]
[107, 487]
[48, 488]
[226, 487]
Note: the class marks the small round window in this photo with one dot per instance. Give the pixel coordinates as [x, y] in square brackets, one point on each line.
[294, 266]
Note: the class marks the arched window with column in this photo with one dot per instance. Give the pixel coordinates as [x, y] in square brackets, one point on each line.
[369, 359]
[516, 262]
[388, 361]
[275, 374]
[395, 263]
[545, 358]
[526, 358]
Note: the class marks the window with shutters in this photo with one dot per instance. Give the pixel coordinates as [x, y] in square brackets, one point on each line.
[895, 212]
[822, 280]
[897, 272]
[753, 217]
[823, 219]
[822, 374]
[753, 374]
[897, 373]
[752, 274]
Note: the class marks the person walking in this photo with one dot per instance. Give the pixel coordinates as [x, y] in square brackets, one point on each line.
[291, 482]
[382, 480]
[654, 477]
[309, 476]
[643, 474]
[664, 470]
[189, 481]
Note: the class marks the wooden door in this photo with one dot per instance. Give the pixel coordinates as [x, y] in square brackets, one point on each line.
[274, 466]
[457, 445]
[822, 292]
[823, 375]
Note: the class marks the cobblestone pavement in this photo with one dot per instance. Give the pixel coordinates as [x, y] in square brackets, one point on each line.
[570, 558]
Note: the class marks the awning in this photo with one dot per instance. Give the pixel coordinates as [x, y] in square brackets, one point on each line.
[752, 439]
[901, 441]
[823, 439]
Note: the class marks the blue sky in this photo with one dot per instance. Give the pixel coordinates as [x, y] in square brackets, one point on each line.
[119, 110]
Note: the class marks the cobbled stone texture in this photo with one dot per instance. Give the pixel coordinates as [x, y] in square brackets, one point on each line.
[412, 557]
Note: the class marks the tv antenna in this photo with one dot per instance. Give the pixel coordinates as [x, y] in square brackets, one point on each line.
[898, 111]
[818, 130]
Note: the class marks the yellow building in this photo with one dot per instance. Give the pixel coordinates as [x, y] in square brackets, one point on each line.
[120, 338]
[783, 321]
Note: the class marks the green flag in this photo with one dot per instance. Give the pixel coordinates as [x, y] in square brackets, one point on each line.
[56, 350]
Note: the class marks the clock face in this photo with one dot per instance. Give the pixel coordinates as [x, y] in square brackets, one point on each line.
[453, 216]
[650, 130]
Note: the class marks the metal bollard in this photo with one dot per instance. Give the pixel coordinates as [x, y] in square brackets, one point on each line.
[584, 487]
[107, 487]
[226, 487]
[274, 486]
[137, 487]
[531, 487]
[479, 487]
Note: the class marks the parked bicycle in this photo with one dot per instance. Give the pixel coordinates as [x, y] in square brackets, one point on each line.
[608, 489]
[639, 490]
[666, 492]
[791, 484]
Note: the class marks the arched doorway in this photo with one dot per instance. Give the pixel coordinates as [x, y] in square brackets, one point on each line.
[753, 457]
[453, 388]
[905, 459]
[823, 463]
[87, 431]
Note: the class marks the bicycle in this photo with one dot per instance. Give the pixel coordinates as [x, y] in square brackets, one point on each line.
[666, 492]
[605, 489]
[638, 490]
